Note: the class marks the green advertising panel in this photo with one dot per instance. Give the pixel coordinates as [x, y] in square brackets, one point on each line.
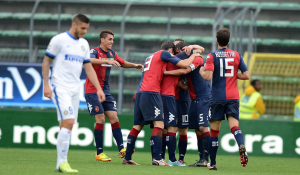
[38, 129]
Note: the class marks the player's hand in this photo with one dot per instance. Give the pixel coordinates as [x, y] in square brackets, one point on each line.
[181, 83]
[114, 62]
[139, 66]
[197, 54]
[204, 66]
[202, 69]
[47, 91]
[187, 49]
[101, 95]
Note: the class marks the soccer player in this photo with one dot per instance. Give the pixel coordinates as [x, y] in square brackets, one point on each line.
[102, 58]
[68, 51]
[199, 90]
[223, 65]
[148, 104]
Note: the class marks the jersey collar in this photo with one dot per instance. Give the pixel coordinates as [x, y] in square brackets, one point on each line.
[102, 50]
[71, 35]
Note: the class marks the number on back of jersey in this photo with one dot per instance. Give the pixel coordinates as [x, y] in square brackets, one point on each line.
[148, 63]
[226, 67]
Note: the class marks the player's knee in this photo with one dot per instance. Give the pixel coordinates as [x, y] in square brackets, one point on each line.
[182, 131]
[203, 129]
[113, 119]
[100, 118]
[68, 123]
[158, 124]
[172, 129]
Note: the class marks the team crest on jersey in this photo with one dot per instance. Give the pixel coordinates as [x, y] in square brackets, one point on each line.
[97, 109]
[66, 112]
[82, 48]
[111, 54]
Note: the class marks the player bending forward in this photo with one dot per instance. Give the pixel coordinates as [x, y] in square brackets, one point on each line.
[223, 66]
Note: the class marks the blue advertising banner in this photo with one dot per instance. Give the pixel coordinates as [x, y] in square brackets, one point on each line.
[21, 84]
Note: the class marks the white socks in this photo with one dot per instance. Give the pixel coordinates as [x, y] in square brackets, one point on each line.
[62, 146]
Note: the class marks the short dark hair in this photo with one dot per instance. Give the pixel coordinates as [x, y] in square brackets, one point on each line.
[81, 18]
[179, 39]
[223, 36]
[253, 82]
[181, 45]
[167, 45]
[104, 34]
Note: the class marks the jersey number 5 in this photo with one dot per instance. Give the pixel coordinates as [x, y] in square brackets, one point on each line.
[227, 67]
[148, 63]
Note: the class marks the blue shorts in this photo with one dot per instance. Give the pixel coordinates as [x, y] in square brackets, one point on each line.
[198, 114]
[221, 109]
[96, 107]
[148, 107]
[183, 113]
[170, 112]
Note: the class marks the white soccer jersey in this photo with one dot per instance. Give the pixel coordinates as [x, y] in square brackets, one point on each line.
[68, 54]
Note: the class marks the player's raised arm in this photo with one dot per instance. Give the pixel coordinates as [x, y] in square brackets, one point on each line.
[91, 74]
[195, 48]
[181, 71]
[45, 69]
[187, 62]
[206, 72]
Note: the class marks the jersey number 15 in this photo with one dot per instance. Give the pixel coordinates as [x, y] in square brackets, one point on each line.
[227, 67]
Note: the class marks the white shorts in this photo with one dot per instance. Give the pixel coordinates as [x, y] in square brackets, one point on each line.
[66, 103]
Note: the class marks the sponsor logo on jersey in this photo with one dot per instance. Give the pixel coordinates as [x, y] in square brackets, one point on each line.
[74, 58]
[92, 50]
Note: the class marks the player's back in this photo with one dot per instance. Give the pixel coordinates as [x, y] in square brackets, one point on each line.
[169, 83]
[154, 68]
[198, 87]
[225, 63]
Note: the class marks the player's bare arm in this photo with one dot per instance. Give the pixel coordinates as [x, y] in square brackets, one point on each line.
[127, 64]
[45, 69]
[205, 74]
[96, 61]
[244, 75]
[91, 74]
[187, 62]
[183, 85]
[181, 71]
[195, 48]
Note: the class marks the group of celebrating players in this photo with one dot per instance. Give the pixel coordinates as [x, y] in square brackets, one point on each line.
[174, 94]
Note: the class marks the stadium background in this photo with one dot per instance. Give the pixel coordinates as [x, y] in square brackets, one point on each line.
[266, 33]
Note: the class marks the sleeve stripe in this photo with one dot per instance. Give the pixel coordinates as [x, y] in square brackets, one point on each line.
[50, 55]
[87, 61]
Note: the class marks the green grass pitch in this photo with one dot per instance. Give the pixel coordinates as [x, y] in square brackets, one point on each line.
[42, 161]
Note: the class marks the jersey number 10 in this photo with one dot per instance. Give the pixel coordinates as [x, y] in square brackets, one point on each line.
[227, 67]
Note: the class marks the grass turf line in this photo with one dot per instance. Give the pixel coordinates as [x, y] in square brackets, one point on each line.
[42, 161]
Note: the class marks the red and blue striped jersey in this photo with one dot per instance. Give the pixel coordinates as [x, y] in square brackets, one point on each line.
[154, 68]
[103, 70]
[225, 64]
[198, 87]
